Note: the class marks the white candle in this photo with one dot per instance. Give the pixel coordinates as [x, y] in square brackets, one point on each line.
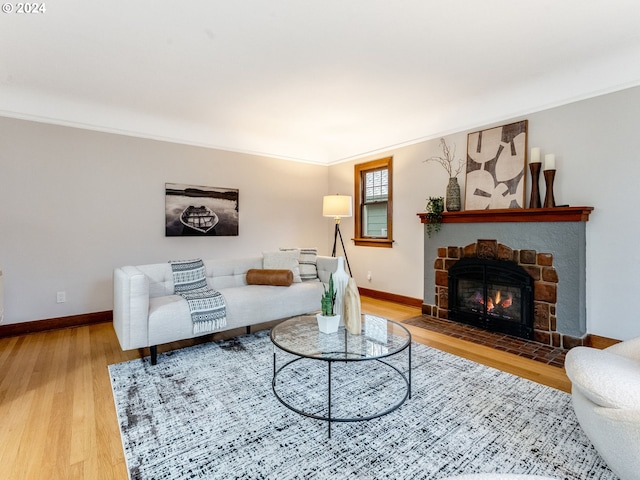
[549, 161]
[535, 155]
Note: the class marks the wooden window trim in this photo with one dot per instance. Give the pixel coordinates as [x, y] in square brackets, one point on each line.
[359, 239]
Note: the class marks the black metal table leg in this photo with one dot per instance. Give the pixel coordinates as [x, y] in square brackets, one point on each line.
[329, 415]
[409, 367]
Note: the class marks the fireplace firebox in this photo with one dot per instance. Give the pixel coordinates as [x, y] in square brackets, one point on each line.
[496, 295]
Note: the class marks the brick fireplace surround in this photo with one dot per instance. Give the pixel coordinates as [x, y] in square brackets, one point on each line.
[549, 244]
[538, 265]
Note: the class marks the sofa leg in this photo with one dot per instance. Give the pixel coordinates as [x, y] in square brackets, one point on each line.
[248, 327]
[153, 350]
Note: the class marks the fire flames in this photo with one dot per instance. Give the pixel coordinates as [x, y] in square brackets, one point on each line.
[497, 300]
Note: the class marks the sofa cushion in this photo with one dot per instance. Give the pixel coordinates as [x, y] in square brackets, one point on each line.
[278, 278]
[283, 260]
[607, 379]
[169, 320]
[253, 304]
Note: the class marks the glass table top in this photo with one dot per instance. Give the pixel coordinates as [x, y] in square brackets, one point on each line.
[378, 338]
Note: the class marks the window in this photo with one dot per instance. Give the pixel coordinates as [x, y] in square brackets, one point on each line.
[373, 194]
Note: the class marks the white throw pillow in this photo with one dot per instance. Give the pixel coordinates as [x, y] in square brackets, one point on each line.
[607, 379]
[283, 260]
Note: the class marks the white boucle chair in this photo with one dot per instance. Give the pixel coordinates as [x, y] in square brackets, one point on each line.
[606, 398]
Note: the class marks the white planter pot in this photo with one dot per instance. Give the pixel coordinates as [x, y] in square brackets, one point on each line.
[328, 324]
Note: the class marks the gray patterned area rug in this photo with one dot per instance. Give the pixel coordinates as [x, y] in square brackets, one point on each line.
[209, 412]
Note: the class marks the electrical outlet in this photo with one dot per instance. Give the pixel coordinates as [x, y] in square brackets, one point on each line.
[61, 297]
[369, 275]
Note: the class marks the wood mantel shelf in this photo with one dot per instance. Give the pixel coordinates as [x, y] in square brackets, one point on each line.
[556, 214]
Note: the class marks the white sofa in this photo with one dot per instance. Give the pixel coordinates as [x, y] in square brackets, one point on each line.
[147, 313]
[606, 399]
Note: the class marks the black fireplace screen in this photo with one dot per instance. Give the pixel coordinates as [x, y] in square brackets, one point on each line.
[493, 294]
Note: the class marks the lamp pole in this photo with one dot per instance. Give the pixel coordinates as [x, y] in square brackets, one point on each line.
[337, 206]
[337, 234]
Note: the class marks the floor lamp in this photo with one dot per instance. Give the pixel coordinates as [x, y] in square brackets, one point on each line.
[337, 206]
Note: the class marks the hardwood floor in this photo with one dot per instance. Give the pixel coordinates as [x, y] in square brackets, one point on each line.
[57, 416]
[538, 372]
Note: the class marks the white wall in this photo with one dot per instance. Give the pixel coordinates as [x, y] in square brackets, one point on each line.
[597, 147]
[76, 203]
[397, 270]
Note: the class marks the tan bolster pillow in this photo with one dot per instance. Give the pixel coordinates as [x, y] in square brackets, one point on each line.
[279, 278]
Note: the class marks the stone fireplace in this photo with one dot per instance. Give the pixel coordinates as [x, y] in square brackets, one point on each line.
[535, 318]
[548, 306]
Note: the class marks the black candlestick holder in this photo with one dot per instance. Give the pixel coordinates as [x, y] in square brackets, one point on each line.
[549, 201]
[534, 202]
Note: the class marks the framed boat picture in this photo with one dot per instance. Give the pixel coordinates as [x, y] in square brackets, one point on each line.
[193, 210]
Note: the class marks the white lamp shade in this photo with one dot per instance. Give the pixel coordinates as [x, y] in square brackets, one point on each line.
[336, 206]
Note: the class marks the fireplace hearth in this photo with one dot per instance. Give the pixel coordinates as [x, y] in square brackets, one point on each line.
[496, 295]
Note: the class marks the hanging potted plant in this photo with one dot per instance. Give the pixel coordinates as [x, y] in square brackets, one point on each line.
[447, 160]
[435, 207]
[328, 320]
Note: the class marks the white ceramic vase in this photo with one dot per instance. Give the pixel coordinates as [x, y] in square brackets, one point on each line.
[328, 324]
[340, 280]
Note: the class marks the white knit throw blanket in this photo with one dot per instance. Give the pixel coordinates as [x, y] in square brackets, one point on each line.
[207, 307]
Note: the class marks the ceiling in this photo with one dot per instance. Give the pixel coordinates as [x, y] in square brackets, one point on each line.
[318, 81]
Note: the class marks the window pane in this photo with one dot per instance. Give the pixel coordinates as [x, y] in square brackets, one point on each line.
[375, 220]
[377, 186]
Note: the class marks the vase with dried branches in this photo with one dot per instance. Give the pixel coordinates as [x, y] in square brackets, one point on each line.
[453, 168]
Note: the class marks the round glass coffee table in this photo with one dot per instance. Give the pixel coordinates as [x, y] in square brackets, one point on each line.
[362, 364]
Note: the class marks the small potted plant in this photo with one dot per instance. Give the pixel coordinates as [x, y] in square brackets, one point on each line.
[435, 207]
[327, 320]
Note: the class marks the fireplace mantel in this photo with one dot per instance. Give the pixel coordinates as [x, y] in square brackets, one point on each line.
[556, 214]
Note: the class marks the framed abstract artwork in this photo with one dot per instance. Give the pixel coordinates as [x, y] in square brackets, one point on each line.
[496, 166]
[200, 211]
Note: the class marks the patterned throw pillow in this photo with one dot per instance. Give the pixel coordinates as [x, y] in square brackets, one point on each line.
[307, 261]
[287, 260]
